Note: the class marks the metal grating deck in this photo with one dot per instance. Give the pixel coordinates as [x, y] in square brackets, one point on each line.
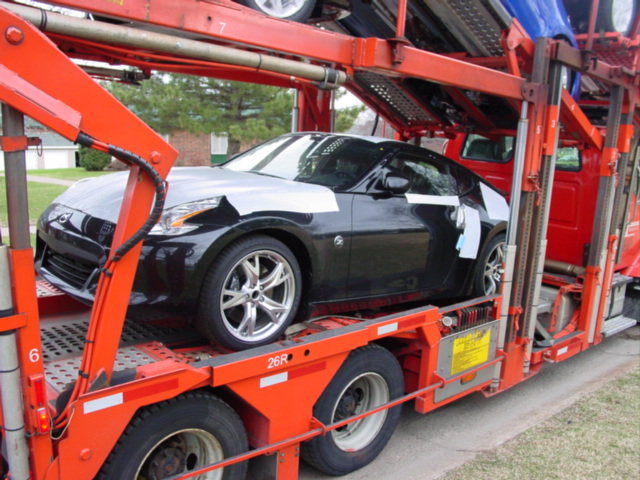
[141, 344]
[395, 97]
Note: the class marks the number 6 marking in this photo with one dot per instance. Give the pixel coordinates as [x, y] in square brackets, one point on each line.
[34, 355]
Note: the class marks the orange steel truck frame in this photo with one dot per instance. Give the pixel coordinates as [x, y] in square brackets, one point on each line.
[86, 393]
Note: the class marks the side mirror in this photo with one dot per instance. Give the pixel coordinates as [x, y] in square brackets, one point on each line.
[396, 184]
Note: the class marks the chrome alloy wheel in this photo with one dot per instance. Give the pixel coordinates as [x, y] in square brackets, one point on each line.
[281, 8]
[258, 294]
[180, 453]
[366, 392]
[493, 269]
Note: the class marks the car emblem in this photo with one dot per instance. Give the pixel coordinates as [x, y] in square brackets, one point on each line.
[338, 241]
[64, 217]
[106, 229]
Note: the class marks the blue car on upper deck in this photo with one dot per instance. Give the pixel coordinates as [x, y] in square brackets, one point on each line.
[546, 18]
[465, 27]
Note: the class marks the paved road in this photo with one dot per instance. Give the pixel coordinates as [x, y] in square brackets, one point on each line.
[424, 447]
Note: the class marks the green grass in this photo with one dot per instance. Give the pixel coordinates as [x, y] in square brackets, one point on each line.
[596, 438]
[40, 196]
[72, 174]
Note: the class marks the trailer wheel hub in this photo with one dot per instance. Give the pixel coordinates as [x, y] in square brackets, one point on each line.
[167, 463]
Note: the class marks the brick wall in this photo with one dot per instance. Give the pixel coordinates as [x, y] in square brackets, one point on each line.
[193, 148]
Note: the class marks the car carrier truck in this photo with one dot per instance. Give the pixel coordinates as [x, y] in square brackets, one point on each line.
[88, 393]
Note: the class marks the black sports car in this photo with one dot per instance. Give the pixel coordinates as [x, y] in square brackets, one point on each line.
[305, 224]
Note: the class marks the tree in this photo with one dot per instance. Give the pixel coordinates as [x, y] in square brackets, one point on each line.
[93, 160]
[247, 113]
[346, 117]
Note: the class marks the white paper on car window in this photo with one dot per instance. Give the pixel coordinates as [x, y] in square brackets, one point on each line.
[298, 199]
[450, 200]
[496, 205]
[470, 240]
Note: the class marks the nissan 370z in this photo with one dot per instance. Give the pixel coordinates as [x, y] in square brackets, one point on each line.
[302, 225]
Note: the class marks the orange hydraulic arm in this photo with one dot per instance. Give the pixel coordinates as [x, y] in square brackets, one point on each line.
[41, 82]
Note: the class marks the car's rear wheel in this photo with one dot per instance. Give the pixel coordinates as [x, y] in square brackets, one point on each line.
[295, 10]
[489, 268]
[250, 294]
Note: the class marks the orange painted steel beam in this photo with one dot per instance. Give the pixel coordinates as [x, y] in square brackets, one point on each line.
[315, 109]
[575, 121]
[56, 100]
[87, 441]
[376, 54]
[226, 22]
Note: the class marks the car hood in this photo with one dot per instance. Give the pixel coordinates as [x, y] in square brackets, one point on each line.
[101, 197]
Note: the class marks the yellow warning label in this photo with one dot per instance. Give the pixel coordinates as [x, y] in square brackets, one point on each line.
[470, 351]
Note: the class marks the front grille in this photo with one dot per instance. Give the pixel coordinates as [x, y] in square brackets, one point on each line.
[75, 273]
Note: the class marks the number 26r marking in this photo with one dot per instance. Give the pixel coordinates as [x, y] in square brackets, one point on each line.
[277, 361]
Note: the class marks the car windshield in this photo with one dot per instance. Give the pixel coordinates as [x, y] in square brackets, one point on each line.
[332, 161]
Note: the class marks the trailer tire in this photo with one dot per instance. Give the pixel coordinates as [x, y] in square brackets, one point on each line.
[250, 294]
[370, 376]
[177, 436]
[631, 308]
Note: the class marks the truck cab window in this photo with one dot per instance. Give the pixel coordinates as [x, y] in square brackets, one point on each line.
[568, 159]
[478, 147]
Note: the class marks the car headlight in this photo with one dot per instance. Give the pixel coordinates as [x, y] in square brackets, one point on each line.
[175, 220]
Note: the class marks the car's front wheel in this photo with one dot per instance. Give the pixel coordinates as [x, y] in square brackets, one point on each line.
[250, 294]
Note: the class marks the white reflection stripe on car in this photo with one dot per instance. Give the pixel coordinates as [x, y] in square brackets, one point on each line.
[496, 205]
[471, 235]
[307, 199]
[451, 200]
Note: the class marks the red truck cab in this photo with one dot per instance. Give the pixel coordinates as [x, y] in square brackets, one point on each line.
[574, 196]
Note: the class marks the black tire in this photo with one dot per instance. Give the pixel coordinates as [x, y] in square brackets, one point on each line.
[178, 436]
[616, 15]
[250, 294]
[297, 12]
[370, 376]
[631, 308]
[488, 271]
[606, 16]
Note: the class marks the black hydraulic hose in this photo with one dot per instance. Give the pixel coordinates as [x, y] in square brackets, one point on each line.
[158, 182]
[375, 124]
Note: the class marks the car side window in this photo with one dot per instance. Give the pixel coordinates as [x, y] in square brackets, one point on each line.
[428, 176]
[339, 162]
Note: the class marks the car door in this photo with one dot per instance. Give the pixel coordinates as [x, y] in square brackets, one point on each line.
[405, 242]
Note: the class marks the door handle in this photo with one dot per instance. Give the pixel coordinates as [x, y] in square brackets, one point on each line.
[458, 216]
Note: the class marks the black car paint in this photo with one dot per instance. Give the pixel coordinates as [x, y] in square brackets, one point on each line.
[391, 258]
